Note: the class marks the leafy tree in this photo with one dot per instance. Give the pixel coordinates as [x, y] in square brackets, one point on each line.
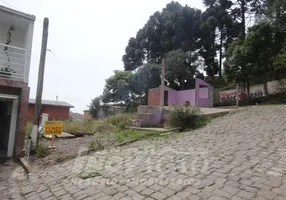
[175, 27]
[118, 88]
[134, 55]
[218, 30]
[276, 13]
[209, 48]
[279, 63]
[94, 106]
[181, 68]
[253, 57]
[145, 78]
[237, 68]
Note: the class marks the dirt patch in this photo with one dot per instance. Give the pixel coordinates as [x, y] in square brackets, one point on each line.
[65, 148]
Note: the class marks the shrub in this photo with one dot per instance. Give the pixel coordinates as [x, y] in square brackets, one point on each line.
[186, 117]
[42, 150]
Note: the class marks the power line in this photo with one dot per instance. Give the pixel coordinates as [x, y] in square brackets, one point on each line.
[53, 54]
[10, 5]
[14, 7]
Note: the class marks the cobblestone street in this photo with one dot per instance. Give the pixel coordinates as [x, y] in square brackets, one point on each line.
[238, 156]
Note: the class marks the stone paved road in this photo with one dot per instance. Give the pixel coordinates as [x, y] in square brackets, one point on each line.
[239, 156]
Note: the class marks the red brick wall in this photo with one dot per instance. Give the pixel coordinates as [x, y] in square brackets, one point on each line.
[22, 90]
[154, 96]
[53, 111]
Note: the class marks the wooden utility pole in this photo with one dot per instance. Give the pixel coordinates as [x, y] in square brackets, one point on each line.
[41, 73]
[162, 88]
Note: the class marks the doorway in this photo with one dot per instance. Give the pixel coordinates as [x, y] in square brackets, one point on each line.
[5, 122]
[8, 118]
[166, 98]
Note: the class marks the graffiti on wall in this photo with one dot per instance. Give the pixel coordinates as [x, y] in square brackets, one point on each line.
[231, 96]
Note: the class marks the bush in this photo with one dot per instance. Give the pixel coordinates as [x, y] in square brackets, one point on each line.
[42, 150]
[186, 117]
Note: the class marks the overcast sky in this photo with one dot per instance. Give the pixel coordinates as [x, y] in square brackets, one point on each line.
[88, 38]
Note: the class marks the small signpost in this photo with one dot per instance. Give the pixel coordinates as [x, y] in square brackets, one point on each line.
[52, 128]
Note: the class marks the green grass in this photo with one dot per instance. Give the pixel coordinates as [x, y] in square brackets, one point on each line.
[120, 120]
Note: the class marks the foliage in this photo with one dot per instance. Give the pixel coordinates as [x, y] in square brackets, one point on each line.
[120, 120]
[94, 106]
[146, 77]
[181, 68]
[255, 58]
[175, 27]
[194, 43]
[280, 65]
[118, 87]
[42, 149]
[186, 117]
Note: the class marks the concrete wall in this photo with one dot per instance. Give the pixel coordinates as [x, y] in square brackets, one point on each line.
[199, 96]
[172, 97]
[256, 91]
[18, 36]
[154, 96]
[86, 115]
[204, 93]
[21, 37]
[186, 95]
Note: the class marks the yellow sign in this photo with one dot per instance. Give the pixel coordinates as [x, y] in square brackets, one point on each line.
[53, 128]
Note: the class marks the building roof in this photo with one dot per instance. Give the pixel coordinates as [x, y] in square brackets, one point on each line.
[18, 13]
[52, 103]
[76, 116]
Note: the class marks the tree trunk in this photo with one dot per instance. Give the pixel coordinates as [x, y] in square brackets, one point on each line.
[243, 11]
[220, 54]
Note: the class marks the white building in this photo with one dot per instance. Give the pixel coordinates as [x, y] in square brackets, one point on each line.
[16, 36]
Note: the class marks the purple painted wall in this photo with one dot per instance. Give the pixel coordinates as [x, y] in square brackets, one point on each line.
[172, 97]
[186, 95]
[197, 97]
[204, 93]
